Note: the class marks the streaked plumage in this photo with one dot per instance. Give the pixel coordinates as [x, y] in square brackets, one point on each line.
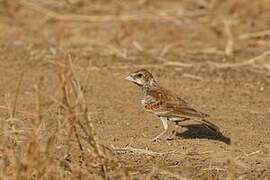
[164, 103]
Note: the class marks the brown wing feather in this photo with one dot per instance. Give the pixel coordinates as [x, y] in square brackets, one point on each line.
[184, 111]
[167, 103]
[165, 95]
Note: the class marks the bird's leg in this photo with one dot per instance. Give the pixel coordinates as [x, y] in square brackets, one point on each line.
[176, 127]
[165, 125]
[173, 134]
[178, 122]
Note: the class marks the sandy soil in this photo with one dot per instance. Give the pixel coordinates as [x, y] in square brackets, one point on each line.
[185, 51]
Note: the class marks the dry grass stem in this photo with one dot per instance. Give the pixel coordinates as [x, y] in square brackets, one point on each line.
[14, 105]
[253, 153]
[191, 76]
[156, 16]
[251, 62]
[139, 151]
[19, 111]
[214, 168]
[254, 62]
[167, 48]
[138, 46]
[156, 171]
[119, 67]
[35, 158]
[173, 175]
[230, 40]
[259, 34]
[151, 174]
[177, 63]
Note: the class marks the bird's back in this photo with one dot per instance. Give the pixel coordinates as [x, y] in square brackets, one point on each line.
[163, 102]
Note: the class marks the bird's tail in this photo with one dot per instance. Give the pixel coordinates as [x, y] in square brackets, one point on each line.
[211, 125]
[204, 115]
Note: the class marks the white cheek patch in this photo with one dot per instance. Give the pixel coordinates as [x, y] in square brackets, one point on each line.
[138, 81]
[153, 82]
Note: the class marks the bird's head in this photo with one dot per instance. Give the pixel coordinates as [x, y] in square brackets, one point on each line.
[142, 78]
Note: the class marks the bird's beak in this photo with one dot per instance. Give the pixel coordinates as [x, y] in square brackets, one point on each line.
[133, 80]
[129, 78]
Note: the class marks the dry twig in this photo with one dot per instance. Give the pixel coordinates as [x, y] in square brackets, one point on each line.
[157, 16]
[14, 106]
[255, 62]
[252, 62]
[259, 34]
[156, 171]
[230, 40]
[19, 111]
[139, 151]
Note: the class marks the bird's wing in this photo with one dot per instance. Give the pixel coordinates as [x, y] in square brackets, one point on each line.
[164, 102]
[182, 111]
[165, 95]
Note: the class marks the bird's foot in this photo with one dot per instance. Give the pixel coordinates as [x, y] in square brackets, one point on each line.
[160, 136]
[165, 136]
[172, 135]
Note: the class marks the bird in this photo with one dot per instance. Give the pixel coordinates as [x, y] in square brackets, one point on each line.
[165, 104]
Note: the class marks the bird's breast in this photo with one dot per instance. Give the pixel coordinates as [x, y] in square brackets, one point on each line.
[151, 106]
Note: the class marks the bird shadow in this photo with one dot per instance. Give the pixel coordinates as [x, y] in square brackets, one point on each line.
[198, 131]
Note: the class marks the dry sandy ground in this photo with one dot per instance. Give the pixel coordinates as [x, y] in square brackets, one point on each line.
[183, 48]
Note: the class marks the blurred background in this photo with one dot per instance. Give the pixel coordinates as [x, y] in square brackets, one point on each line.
[60, 59]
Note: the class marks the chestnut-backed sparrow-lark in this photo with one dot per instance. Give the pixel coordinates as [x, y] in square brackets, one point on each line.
[165, 104]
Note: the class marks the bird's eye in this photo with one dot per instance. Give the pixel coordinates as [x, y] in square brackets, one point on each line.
[139, 75]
